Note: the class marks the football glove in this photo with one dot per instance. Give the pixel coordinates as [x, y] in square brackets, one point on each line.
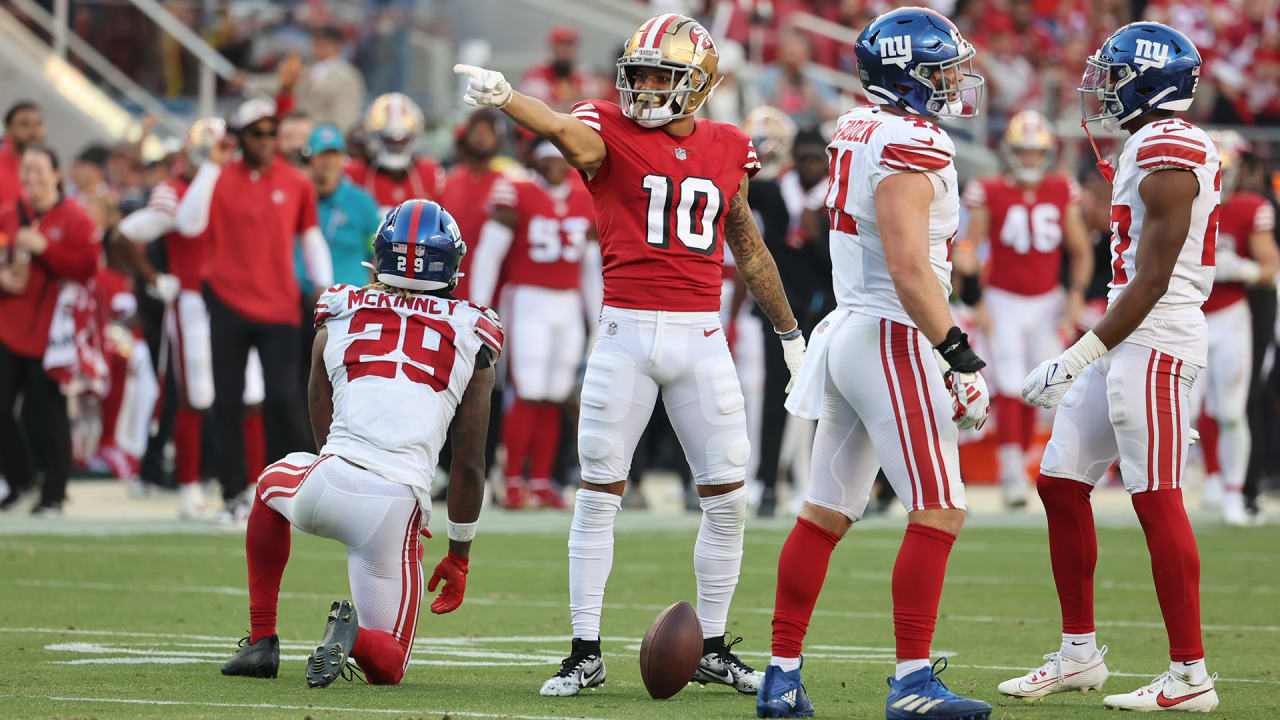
[165, 288]
[453, 571]
[484, 87]
[970, 399]
[1046, 385]
[793, 354]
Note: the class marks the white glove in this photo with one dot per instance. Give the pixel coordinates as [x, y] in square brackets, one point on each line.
[793, 354]
[1046, 385]
[484, 87]
[165, 288]
[970, 400]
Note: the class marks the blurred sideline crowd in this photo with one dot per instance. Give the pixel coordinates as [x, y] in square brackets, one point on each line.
[116, 270]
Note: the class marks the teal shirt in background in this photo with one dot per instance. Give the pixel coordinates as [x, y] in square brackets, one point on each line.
[349, 219]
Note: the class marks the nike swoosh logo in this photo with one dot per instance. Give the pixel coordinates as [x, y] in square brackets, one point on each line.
[1073, 642]
[1034, 685]
[588, 679]
[926, 141]
[709, 333]
[1166, 702]
[726, 678]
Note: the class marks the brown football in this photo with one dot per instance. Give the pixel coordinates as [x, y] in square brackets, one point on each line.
[671, 650]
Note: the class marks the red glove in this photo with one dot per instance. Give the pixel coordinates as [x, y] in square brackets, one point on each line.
[453, 570]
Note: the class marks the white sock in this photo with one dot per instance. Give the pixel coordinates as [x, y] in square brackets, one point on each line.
[1011, 459]
[785, 664]
[717, 557]
[1079, 647]
[1193, 672]
[590, 558]
[906, 667]
[1233, 453]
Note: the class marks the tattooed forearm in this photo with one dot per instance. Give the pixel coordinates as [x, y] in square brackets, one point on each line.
[755, 264]
[320, 391]
[468, 433]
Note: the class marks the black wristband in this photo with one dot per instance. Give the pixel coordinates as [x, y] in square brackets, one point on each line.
[956, 351]
[970, 290]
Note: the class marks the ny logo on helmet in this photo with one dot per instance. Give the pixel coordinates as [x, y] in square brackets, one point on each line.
[1150, 54]
[895, 50]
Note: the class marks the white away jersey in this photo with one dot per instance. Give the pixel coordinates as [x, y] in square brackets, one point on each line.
[399, 368]
[869, 145]
[1176, 324]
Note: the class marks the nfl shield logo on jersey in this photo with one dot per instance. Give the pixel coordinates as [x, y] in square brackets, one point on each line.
[681, 154]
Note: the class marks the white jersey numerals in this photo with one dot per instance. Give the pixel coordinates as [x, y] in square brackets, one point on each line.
[552, 239]
[1039, 229]
[697, 206]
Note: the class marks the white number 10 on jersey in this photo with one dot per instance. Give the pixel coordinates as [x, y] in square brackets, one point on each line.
[698, 208]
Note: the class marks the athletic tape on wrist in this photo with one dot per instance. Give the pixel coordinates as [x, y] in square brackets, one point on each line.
[462, 532]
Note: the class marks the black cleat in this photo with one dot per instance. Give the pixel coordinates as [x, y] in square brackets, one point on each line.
[329, 661]
[260, 659]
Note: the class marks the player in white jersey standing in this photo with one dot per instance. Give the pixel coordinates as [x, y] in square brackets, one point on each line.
[1123, 388]
[870, 378]
[395, 367]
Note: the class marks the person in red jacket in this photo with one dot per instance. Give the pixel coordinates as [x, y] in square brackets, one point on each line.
[45, 240]
[23, 126]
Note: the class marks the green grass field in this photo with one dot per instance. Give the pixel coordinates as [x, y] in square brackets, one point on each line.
[126, 625]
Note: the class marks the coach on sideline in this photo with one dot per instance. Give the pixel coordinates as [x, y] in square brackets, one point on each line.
[253, 208]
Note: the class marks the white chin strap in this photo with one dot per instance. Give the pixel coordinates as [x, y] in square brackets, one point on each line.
[393, 161]
[1028, 175]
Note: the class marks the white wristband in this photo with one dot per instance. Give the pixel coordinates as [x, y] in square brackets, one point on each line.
[462, 532]
[1086, 350]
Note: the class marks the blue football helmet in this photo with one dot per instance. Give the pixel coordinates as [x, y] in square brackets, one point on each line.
[914, 58]
[418, 247]
[1143, 66]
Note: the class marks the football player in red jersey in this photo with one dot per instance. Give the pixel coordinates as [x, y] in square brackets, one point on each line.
[1029, 217]
[535, 238]
[670, 192]
[394, 174]
[1246, 255]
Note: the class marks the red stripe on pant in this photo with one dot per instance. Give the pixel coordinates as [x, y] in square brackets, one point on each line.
[910, 388]
[1177, 423]
[1164, 420]
[1151, 425]
[284, 484]
[384, 656]
[935, 442]
[885, 350]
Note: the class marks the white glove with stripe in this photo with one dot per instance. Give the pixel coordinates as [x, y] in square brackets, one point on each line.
[1051, 379]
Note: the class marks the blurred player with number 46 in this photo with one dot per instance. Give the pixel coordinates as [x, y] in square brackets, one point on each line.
[670, 193]
[396, 366]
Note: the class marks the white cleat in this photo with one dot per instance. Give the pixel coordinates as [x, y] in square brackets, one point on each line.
[1212, 491]
[1234, 513]
[1059, 674]
[191, 501]
[583, 669]
[1014, 489]
[1168, 692]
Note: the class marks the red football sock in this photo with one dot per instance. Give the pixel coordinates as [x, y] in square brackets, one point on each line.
[266, 547]
[518, 428]
[1175, 567]
[186, 445]
[1008, 420]
[1208, 428]
[380, 656]
[546, 440]
[1029, 415]
[1073, 548]
[918, 574]
[255, 444]
[802, 568]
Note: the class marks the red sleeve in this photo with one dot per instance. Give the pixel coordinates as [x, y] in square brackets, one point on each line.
[489, 329]
[915, 156]
[75, 256]
[307, 218]
[285, 103]
[1171, 151]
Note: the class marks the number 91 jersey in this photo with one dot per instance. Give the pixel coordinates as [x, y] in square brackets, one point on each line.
[399, 367]
[660, 205]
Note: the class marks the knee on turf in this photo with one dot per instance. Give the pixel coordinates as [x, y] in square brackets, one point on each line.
[378, 675]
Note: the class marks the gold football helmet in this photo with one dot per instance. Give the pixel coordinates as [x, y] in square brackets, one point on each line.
[771, 132]
[203, 135]
[1028, 147]
[393, 123]
[680, 45]
[1231, 148]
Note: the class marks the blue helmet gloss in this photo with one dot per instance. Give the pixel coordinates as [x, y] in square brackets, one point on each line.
[418, 247]
[915, 59]
[1143, 66]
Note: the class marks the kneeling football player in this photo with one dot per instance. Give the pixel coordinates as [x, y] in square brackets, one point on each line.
[395, 366]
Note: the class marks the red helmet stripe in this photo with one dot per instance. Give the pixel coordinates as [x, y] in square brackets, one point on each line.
[658, 28]
[412, 252]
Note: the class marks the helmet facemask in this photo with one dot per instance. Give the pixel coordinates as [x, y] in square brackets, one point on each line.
[653, 108]
[391, 150]
[957, 89]
[1100, 92]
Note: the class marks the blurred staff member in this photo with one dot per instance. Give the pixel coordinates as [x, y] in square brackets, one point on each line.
[295, 128]
[45, 239]
[536, 239]
[253, 209]
[394, 172]
[469, 181]
[559, 83]
[348, 215]
[331, 91]
[23, 127]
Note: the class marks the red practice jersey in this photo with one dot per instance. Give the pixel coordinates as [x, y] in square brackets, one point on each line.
[464, 197]
[423, 181]
[186, 255]
[1024, 230]
[660, 206]
[1244, 214]
[552, 228]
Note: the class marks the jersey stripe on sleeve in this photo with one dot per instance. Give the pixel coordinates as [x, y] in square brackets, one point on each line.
[489, 329]
[586, 112]
[975, 194]
[899, 156]
[163, 198]
[1171, 151]
[753, 162]
[1265, 219]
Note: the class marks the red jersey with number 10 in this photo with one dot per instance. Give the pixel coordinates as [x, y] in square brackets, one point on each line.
[660, 204]
[1024, 230]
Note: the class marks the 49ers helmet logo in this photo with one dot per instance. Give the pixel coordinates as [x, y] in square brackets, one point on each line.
[701, 38]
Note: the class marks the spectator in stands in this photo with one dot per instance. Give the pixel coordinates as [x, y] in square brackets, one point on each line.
[1012, 80]
[45, 238]
[348, 216]
[295, 129]
[471, 180]
[23, 126]
[559, 82]
[254, 208]
[89, 186]
[792, 86]
[331, 91]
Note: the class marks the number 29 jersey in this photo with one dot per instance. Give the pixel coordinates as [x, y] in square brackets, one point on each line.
[399, 367]
[660, 205]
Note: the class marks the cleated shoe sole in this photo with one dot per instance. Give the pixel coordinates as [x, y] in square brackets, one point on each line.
[329, 659]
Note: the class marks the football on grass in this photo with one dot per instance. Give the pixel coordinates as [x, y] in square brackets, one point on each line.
[671, 650]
